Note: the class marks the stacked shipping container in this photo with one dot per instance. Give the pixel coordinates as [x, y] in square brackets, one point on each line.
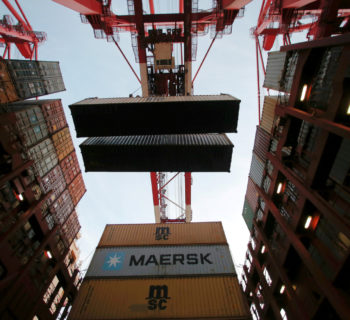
[24, 79]
[163, 271]
[257, 168]
[42, 127]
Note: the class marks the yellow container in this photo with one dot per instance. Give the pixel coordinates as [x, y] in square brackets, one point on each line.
[167, 298]
[63, 143]
[118, 235]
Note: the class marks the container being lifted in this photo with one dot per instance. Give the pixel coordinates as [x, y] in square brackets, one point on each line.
[179, 153]
[95, 117]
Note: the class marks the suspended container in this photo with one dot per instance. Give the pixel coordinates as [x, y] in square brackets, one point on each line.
[95, 117]
[165, 298]
[161, 261]
[195, 233]
[179, 153]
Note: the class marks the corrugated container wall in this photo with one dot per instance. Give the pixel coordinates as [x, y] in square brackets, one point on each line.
[44, 156]
[54, 181]
[63, 143]
[256, 170]
[54, 115]
[7, 89]
[183, 152]
[62, 207]
[167, 298]
[248, 214]
[160, 234]
[268, 114]
[161, 261]
[70, 228]
[70, 167]
[261, 143]
[276, 62]
[341, 167]
[77, 189]
[155, 115]
[252, 195]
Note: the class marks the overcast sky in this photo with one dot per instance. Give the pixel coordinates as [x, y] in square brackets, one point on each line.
[94, 68]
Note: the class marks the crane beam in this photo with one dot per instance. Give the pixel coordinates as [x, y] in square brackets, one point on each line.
[82, 6]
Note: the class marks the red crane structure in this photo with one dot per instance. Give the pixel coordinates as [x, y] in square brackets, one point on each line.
[155, 37]
[21, 33]
[318, 18]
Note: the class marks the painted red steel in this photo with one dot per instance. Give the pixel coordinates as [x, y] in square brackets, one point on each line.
[261, 143]
[188, 180]
[25, 39]
[70, 167]
[77, 189]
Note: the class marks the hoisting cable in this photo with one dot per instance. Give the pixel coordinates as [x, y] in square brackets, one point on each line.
[205, 56]
[126, 59]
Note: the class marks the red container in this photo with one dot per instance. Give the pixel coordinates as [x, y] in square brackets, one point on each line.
[70, 167]
[62, 207]
[261, 143]
[77, 189]
[54, 115]
[70, 228]
[252, 195]
[54, 181]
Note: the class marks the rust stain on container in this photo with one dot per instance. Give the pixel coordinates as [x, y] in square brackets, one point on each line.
[161, 234]
[169, 298]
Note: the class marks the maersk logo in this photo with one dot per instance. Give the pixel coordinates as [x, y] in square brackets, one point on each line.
[114, 261]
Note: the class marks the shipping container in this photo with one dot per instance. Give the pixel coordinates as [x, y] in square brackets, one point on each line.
[256, 170]
[261, 143]
[63, 143]
[62, 207]
[268, 113]
[54, 115]
[248, 214]
[77, 189]
[70, 167]
[54, 181]
[70, 228]
[167, 298]
[7, 89]
[341, 166]
[280, 70]
[44, 156]
[95, 117]
[252, 195]
[193, 153]
[120, 235]
[29, 81]
[161, 261]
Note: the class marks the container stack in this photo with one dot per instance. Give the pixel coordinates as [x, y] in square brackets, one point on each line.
[166, 271]
[174, 133]
[262, 144]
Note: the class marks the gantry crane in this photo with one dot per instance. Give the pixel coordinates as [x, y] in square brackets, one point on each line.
[154, 36]
[19, 33]
[318, 18]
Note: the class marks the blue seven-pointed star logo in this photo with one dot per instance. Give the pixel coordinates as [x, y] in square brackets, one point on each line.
[114, 261]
